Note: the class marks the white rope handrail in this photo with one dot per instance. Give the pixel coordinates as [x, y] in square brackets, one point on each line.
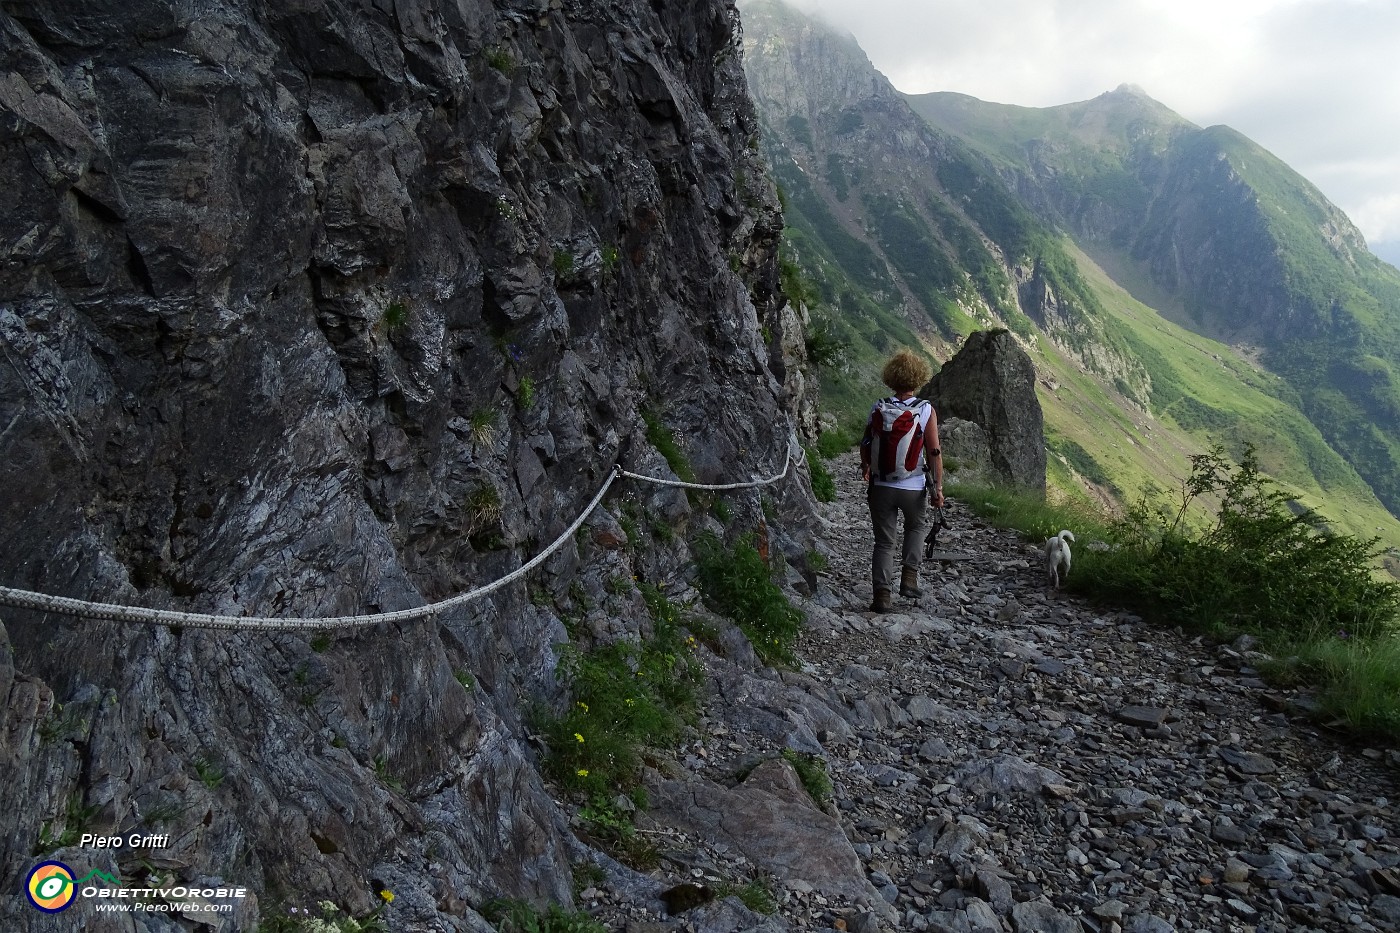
[792, 458]
[113, 612]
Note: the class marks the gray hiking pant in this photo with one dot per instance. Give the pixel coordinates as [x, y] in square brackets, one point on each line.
[886, 505]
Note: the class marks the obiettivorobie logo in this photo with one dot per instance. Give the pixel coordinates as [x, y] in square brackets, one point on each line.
[51, 888]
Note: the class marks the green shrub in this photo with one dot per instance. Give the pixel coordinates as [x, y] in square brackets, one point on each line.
[395, 315]
[500, 59]
[823, 484]
[737, 583]
[1262, 567]
[664, 441]
[519, 917]
[811, 771]
[625, 696]
[837, 441]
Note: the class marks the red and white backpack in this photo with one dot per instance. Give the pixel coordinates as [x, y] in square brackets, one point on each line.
[896, 439]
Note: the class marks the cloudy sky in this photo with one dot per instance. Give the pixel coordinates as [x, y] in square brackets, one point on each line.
[1313, 81]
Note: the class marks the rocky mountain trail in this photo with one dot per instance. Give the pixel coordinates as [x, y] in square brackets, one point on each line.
[1005, 757]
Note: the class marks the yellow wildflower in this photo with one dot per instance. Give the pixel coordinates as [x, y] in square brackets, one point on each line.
[578, 736]
[582, 772]
[387, 895]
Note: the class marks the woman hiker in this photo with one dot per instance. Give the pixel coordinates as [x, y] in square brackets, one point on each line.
[901, 431]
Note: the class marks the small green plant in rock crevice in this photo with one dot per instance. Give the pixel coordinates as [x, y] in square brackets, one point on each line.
[74, 821]
[563, 263]
[525, 393]
[483, 512]
[625, 697]
[811, 771]
[60, 722]
[511, 916]
[210, 772]
[483, 427]
[823, 483]
[500, 59]
[385, 776]
[395, 315]
[664, 441]
[736, 583]
[610, 258]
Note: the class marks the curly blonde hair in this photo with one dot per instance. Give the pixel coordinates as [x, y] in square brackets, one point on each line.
[906, 371]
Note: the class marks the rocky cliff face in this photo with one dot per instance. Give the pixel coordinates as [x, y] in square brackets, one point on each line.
[333, 308]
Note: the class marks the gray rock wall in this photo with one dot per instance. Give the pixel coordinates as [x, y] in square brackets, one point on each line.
[335, 307]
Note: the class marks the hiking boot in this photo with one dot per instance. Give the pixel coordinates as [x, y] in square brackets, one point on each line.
[882, 602]
[909, 584]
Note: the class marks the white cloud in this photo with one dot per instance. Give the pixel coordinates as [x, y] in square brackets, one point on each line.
[1310, 80]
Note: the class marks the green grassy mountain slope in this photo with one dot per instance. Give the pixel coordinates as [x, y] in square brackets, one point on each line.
[1222, 236]
[902, 235]
[900, 231]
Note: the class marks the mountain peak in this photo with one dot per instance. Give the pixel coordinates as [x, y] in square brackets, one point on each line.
[1131, 90]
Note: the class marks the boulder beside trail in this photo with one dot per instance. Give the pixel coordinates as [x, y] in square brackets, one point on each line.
[991, 382]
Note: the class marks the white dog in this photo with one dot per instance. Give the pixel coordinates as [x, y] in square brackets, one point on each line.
[1057, 556]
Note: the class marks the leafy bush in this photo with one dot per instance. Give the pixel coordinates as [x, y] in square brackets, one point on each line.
[838, 440]
[823, 484]
[664, 441]
[1263, 566]
[519, 917]
[625, 696]
[737, 583]
[811, 771]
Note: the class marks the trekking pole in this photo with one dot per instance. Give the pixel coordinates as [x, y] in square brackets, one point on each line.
[938, 524]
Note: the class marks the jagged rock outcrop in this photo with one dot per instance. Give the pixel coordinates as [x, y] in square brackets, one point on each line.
[336, 308]
[990, 381]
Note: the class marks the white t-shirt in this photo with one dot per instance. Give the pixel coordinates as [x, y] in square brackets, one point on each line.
[917, 480]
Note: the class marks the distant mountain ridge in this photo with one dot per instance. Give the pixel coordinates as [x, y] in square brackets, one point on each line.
[1095, 231]
[1218, 233]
